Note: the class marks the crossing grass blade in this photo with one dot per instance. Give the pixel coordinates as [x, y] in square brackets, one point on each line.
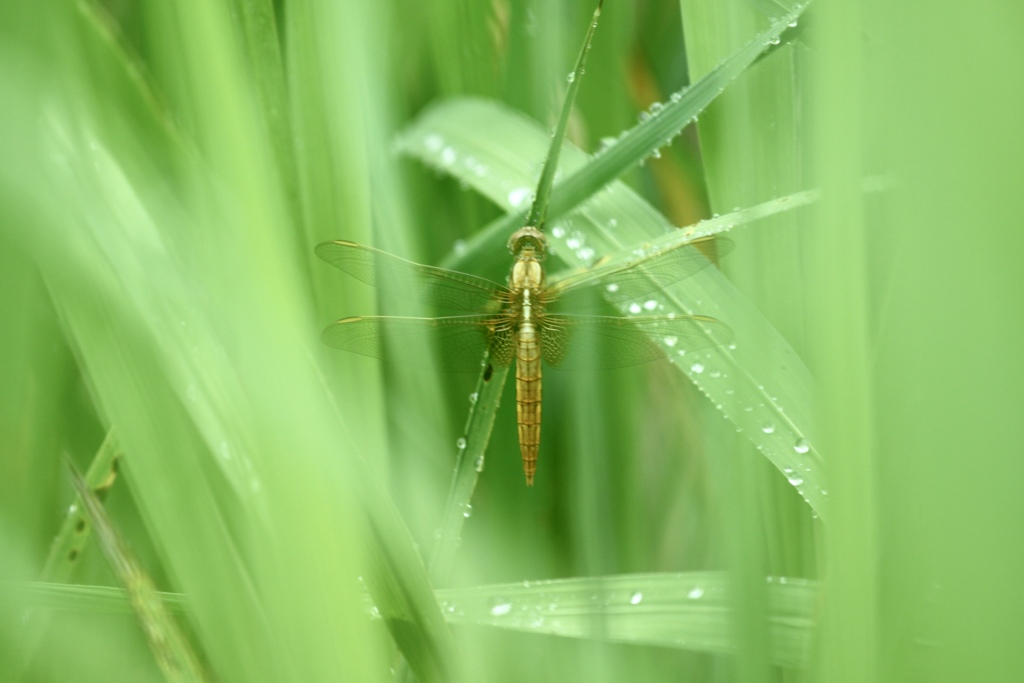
[690, 611]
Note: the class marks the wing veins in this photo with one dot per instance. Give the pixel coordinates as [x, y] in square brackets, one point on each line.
[616, 341]
[460, 340]
[437, 286]
[619, 282]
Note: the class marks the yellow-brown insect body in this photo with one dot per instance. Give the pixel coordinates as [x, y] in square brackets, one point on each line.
[526, 281]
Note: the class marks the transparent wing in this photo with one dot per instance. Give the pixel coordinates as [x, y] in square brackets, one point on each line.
[461, 339]
[577, 342]
[446, 289]
[627, 281]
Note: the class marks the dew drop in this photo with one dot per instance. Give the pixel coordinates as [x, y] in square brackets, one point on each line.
[606, 143]
[558, 231]
[473, 397]
[636, 598]
[500, 607]
[671, 341]
[612, 223]
[634, 308]
[479, 463]
[519, 196]
[801, 446]
[650, 304]
[448, 156]
[612, 287]
[696, 593]
[697, 368]
[768, 428]
[461, 443]
[434, 143]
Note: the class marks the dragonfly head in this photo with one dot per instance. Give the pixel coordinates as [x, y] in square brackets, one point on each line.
[528, 238]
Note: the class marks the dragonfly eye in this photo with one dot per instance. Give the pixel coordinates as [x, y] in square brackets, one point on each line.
[528, 237]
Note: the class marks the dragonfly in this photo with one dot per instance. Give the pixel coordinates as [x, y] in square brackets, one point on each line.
[530, 320]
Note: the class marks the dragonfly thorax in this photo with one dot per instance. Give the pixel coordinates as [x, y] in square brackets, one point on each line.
[527, 274]
[528, 244]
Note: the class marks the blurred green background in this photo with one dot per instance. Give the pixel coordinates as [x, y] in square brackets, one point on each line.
[167, 169]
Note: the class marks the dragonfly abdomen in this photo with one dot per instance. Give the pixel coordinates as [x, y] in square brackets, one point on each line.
[528, 396]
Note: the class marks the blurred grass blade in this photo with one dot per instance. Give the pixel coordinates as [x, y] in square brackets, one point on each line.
[631, 148]
[400, 588]
[66, 550]
[539, 209]
[170, 647]
[759, 382]
[690, 611]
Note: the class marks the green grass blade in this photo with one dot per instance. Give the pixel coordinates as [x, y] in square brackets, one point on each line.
[690, 611]
[468, 465]
[539, 209]
[761, 385]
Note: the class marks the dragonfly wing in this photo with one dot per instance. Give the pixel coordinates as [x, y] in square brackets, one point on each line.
[574, 342]
[627, 281]
[461, 339]
[446, 289]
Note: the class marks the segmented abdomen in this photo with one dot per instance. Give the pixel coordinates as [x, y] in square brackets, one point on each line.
[528, 394]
